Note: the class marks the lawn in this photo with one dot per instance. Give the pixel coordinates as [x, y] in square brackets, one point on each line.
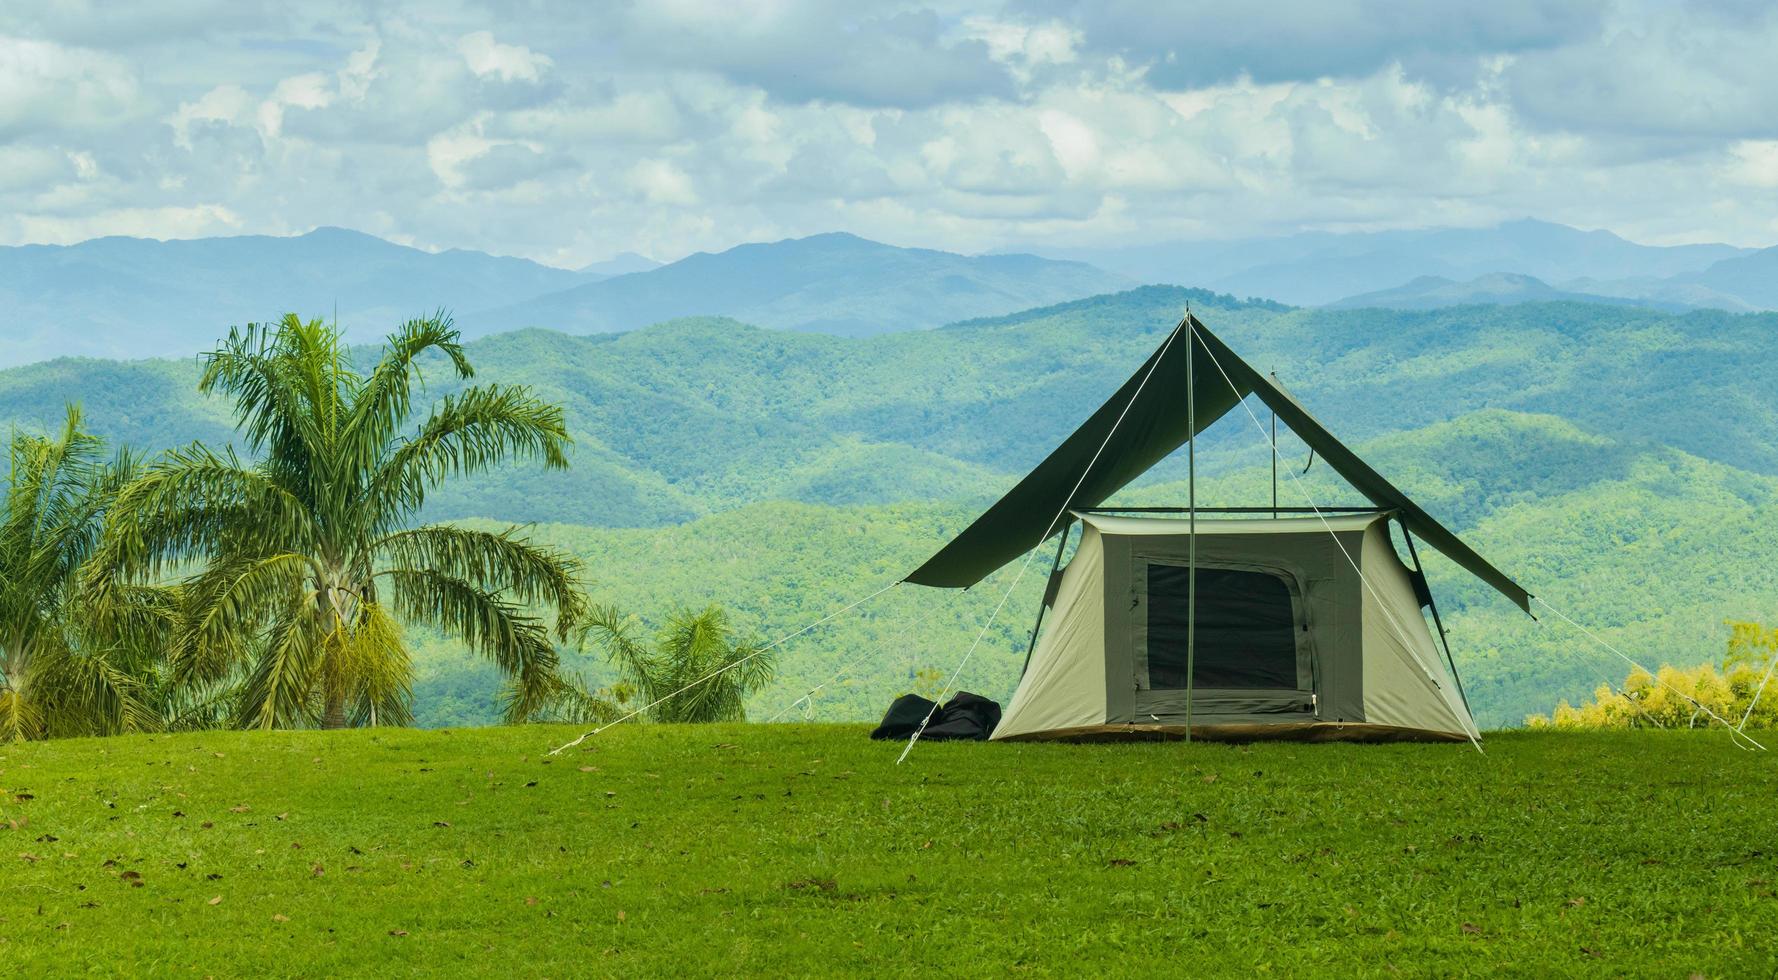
[798, 850]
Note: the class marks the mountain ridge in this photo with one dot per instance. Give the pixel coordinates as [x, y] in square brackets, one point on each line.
[815, 284]
[1493, 289]
[137, 297]
[1318, 268]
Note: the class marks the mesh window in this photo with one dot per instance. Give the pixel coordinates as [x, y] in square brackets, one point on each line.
[1246, 630]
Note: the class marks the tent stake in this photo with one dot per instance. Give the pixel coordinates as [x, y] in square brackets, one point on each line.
[1191, 500]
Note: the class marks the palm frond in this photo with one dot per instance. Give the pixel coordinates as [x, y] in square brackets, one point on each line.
[226, 603]
[193, 503]
[373, 672]
[469, 433]
[695, 671]
[571, 700]
[516, 642]
[263, 366]
[615, 631]
[281, 690]
[499, 561]
[68, 664]
[384, 402]
[88, 691]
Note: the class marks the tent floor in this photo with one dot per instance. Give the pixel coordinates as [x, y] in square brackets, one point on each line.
[1317, 731]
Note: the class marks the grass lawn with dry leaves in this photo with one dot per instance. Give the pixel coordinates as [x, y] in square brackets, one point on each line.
[805, 850]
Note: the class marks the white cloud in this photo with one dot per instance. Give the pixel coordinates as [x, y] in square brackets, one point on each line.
[1753, 163]
[1025, 47]
[26, 168]
[360, 70]
[49, 86]
[486, 56]
[662, 182]
[164, 222]
[669, 127]
[85, 167]
[229, 104]
[446, 153]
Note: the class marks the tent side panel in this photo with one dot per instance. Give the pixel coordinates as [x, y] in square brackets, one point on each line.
[1336, 618]
[1065, 684]
[1405, 683]
[1120, 631]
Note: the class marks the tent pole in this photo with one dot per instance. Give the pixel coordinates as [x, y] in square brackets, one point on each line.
[1191, 498]
[1043, 603]
[1432, 604]
[1274, 457]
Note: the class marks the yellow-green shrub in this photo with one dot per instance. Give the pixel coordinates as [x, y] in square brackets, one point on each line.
[1666, 698]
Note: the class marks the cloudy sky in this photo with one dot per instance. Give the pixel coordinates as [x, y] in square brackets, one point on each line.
[570, 131]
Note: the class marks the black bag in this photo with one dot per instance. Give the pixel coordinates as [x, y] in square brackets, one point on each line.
[903, 717]
[966, 717]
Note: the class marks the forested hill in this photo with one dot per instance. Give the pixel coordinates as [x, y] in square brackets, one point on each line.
[696, 416]
[1617, 460]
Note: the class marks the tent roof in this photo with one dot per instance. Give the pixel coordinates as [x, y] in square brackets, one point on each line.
[1140, 526]
[1138, 427]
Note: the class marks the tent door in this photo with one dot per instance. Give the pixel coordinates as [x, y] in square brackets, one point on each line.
[1254, 661]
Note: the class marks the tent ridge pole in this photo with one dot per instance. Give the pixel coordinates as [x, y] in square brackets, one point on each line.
[1274, 456]
[1191, 497]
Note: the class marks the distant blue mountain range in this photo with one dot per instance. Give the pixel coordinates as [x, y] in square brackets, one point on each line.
[834, 283]
[134, 297]
[1319, 268]
[131, 297]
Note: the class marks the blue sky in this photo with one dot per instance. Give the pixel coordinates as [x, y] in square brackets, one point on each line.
[566, 132]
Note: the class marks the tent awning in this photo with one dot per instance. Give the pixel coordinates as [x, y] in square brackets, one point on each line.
[1138, 427]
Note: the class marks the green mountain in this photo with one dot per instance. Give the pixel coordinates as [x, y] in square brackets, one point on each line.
[1618, 461]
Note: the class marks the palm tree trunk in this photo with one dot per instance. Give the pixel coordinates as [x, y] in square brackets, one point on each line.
[334, 716]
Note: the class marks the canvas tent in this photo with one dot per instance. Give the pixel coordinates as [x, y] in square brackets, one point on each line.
[1206, 626]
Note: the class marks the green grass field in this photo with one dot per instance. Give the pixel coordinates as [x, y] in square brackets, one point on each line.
[804, 850]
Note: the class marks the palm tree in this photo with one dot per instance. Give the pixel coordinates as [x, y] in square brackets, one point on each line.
[695, 672]
[69, 665]
[307, 560]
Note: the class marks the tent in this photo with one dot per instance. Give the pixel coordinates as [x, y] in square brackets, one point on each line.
[1202, 624]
